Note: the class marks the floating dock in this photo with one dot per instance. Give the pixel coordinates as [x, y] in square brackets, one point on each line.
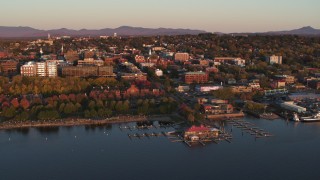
[249, 128]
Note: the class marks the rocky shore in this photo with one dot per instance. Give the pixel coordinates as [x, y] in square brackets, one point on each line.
[79, 122]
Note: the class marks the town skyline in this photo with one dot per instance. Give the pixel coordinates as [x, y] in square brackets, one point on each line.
[211, 16]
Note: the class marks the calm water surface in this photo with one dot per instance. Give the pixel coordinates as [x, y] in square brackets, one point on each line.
[108, 153]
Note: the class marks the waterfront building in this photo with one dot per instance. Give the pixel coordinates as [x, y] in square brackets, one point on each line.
[212, 101]
[195, 133]
[289, 105]
[216, 108]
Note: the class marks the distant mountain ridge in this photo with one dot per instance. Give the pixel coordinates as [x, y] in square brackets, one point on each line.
[26, 32]
[304, 31]
[307, 30]
[12, 32]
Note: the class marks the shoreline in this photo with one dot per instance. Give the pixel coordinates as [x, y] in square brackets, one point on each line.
[225, 116]
[80, 122]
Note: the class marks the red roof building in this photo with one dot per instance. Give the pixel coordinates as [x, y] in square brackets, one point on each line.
[200, 132]
[197, 128]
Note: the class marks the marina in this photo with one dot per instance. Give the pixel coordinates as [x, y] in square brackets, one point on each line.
[249, 128]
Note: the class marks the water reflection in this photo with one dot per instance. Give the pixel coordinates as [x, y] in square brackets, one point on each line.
[48, 130]
[23, 131]
[68, 128]
[99, 127]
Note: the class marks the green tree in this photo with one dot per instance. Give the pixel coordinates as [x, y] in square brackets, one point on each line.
[9, 112]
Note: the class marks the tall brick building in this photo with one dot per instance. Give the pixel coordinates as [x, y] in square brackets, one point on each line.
[8, 67]
[87, 71]
[198, 77]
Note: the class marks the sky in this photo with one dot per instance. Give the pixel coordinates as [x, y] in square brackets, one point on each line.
[211, 15]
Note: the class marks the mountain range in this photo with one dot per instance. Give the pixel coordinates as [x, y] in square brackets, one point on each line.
[12, 32]
[307, 30]
[26, 32]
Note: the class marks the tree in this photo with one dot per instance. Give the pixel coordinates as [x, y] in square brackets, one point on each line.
[224, 93]
[61, 107]
[92, 104]
[87, 114]
[69, 108]
[9, 112]
[119, 107]
[23, 116]
[15, 102]
[93, 113]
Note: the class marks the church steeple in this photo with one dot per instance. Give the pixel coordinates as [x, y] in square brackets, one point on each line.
[61, 49]
[41, 52]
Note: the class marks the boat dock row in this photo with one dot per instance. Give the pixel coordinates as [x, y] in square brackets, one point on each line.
[153, 134]
[148, 126]
[249, 128]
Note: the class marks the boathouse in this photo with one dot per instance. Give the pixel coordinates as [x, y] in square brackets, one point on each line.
[200, 132]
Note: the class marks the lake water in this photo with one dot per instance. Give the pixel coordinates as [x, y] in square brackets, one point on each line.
[107, 153]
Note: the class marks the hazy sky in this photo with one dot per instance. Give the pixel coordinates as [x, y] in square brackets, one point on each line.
[210, 15]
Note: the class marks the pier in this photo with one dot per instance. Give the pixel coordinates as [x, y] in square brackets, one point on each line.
[249, 128]
[153, 134]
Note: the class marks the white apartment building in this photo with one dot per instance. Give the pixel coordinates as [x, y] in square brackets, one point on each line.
[274, 59]
[40, 69]
[29, 69]
[52, 70]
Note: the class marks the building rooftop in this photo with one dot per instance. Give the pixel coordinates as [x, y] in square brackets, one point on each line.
[197, 128]
[199, 72]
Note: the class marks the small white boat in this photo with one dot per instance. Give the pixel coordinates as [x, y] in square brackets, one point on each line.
[315, 117]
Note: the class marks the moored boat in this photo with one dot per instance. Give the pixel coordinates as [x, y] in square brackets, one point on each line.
[315, 117]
